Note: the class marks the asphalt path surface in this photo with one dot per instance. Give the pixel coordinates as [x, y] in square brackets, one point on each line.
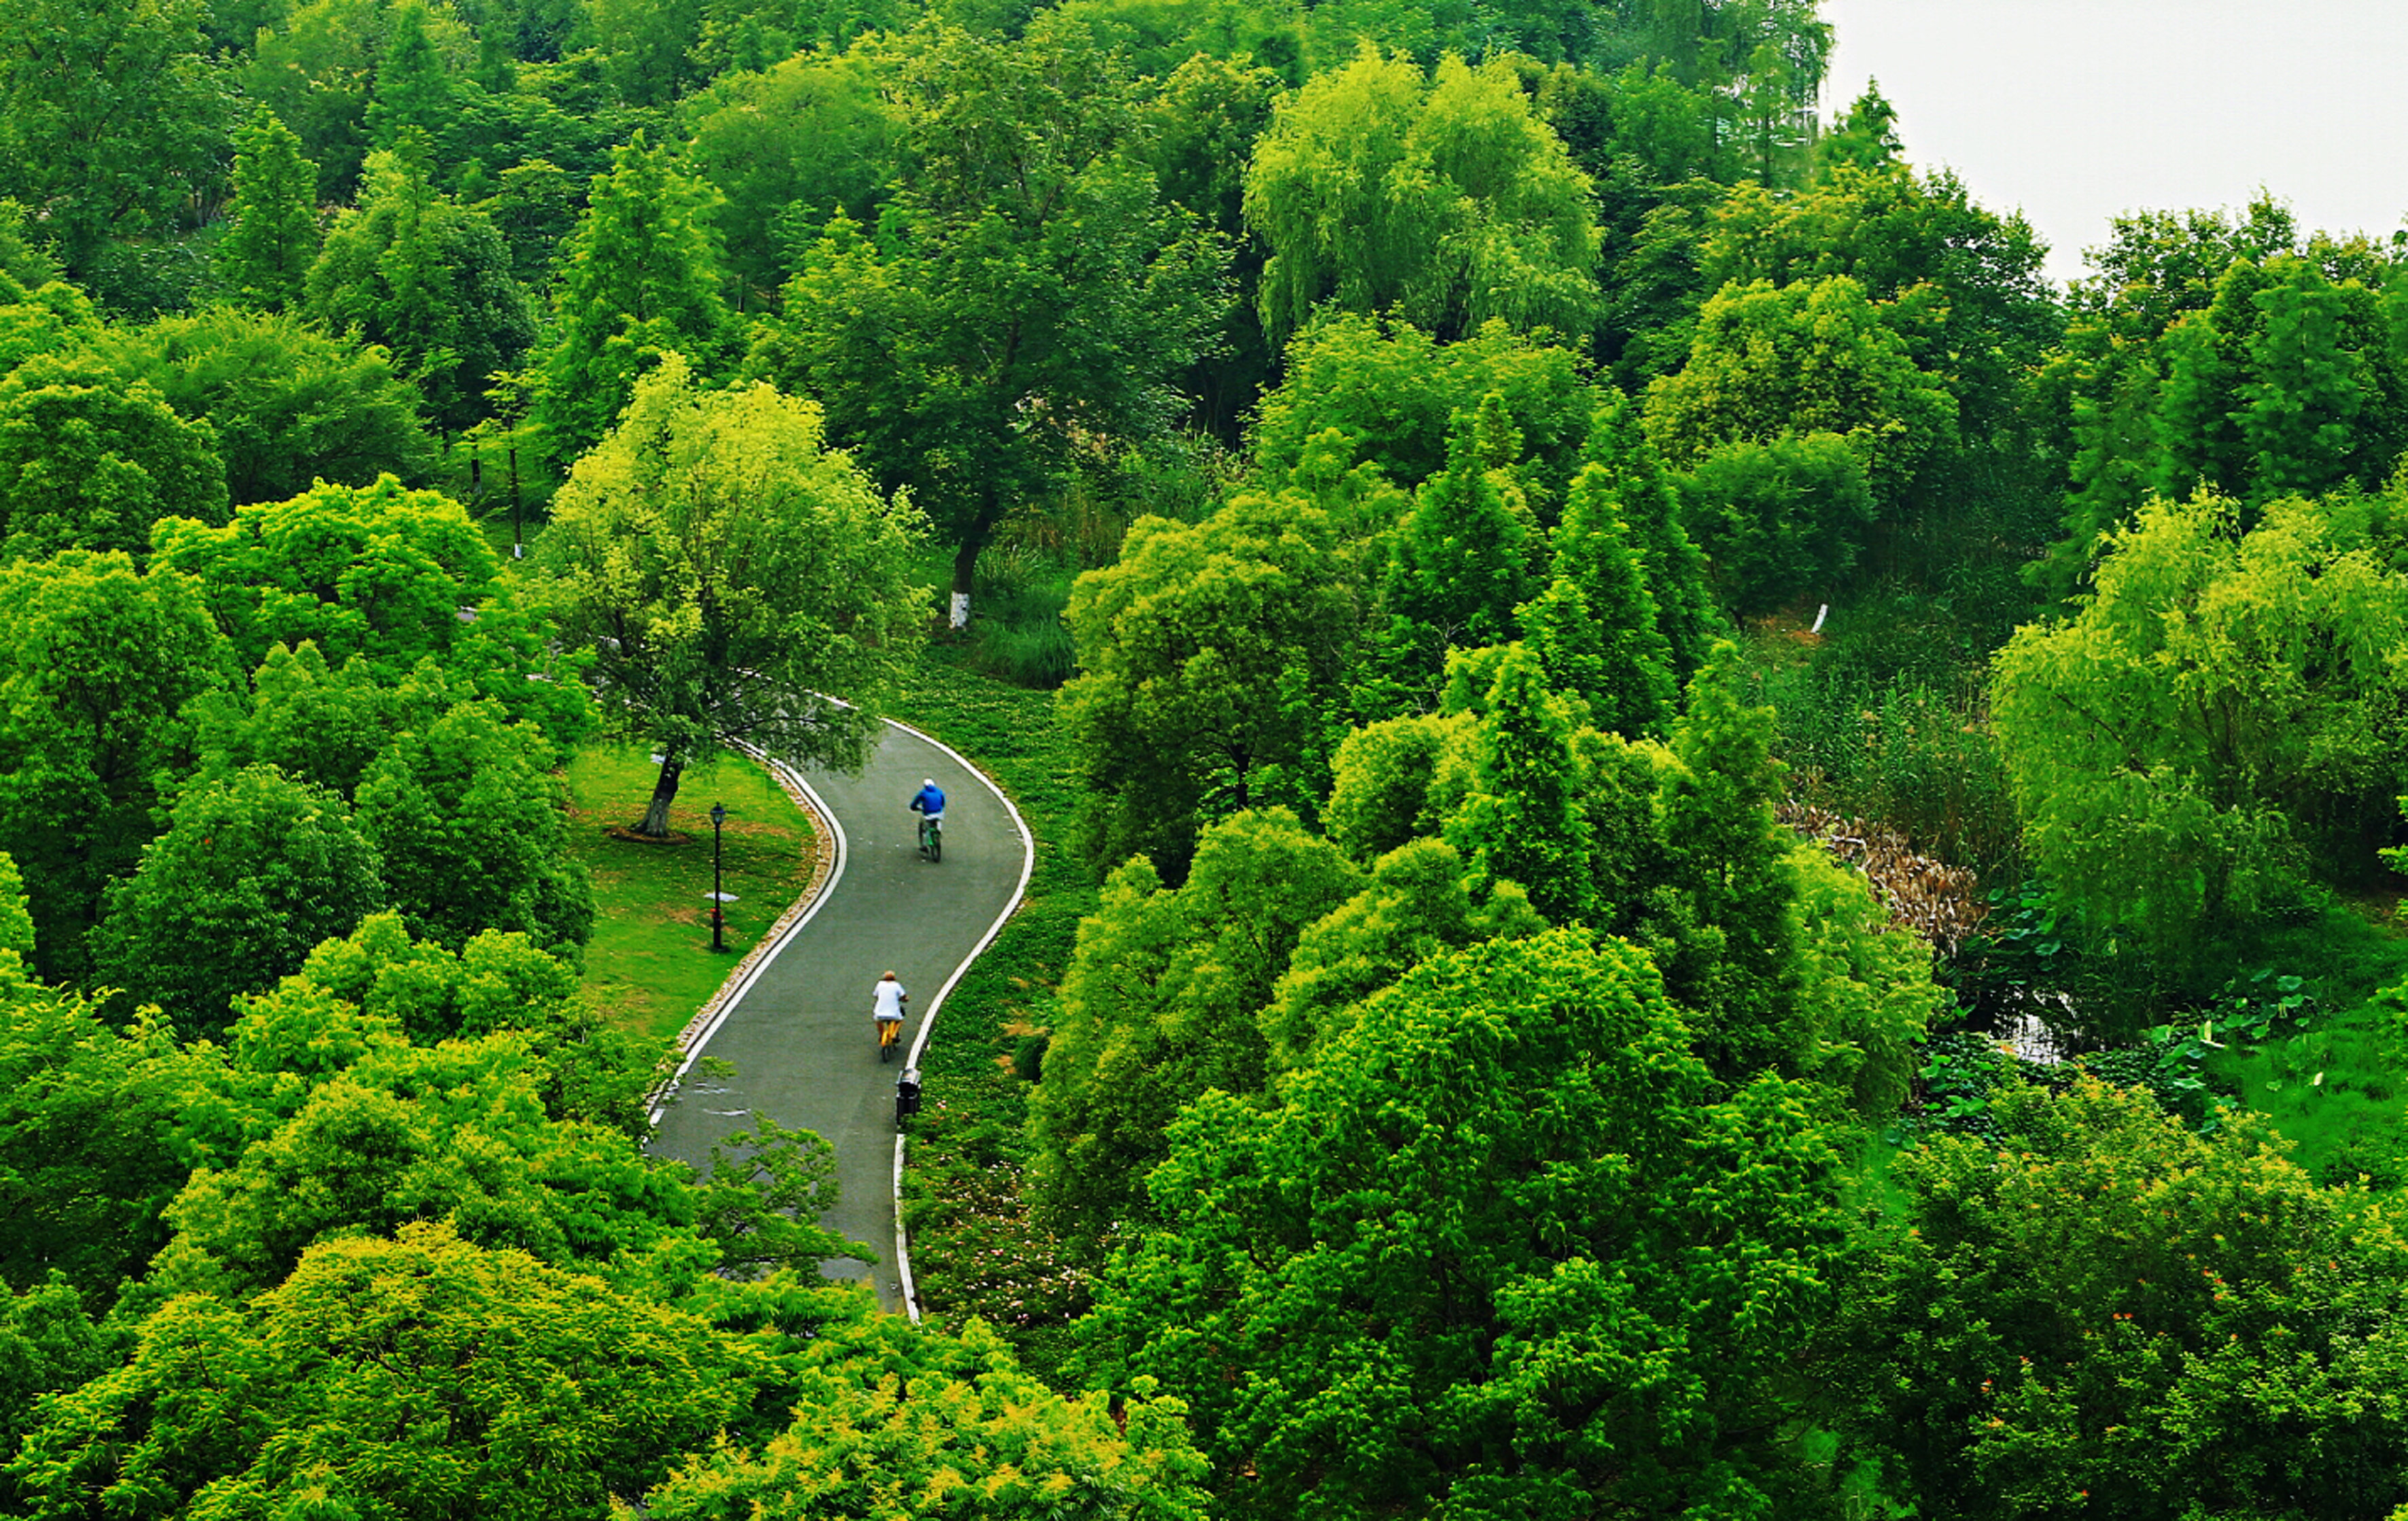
[799, 1035]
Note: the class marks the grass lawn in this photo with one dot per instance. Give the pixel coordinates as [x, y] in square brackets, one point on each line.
[650, 965]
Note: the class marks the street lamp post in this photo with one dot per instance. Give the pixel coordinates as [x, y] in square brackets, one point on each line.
[718, 898]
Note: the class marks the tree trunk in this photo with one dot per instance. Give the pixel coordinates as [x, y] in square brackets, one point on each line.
[957, 617]
[657, 814]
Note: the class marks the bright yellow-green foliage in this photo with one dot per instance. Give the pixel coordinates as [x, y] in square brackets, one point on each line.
[2220, 721]
[732, 574]
[391, 1377]
[890, 1422]
[1442, 198]
[1816, 356]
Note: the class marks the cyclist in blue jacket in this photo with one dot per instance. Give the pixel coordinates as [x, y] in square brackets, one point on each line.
[929, 803]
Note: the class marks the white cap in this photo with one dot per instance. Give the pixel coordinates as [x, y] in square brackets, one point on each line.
[927, 782]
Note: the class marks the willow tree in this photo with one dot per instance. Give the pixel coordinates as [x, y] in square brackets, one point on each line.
[735, 578]
[1444, 200]
[2221, 718]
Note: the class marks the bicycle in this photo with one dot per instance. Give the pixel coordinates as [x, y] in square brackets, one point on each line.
[932, 837]
[890, 1035]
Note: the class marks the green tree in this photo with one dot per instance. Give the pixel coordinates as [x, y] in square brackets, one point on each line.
[1421, 901]
[1392, 393]
[1198, 132]
[1673, 571]
[2204, 359]
[2307, 399]
[787, 150]
[647, 50]
[2106, 389]
[2128, 421]
[1813, 356]
[316, 725]
[1864, 137]
[2218, 722]
[533, 206]
[642, 279]
[378, 985]
[88, 462]
[253, 871]
[383, 575]
[1598, 629]
[111, 115]
[97, 663]
[887, 1415]
[287, 405]
[1865, 985]
[391, 1378]
[93, 1113]
[1504, 1251]
[22, 258]
[359, 1132]
[468, 822]
[411, 269]
[15, 920]
[2100, 1312]
[56, 321]
[1732, 911]
[1523, 819]
[735, 578]
[1779, 522]
[1444, 199]
[1462, 561]
[1208, 658]
[1385, 781]
[272, 235]
[1030, 296]
[318, 68]
[413, 90]
[1964, 283]
[1160, 1003]
[49, 1345]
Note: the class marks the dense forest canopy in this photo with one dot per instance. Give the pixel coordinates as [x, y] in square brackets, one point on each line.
[1710, 853]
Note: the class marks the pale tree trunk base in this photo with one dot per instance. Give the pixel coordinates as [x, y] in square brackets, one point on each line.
[958, 610]
[657, 813]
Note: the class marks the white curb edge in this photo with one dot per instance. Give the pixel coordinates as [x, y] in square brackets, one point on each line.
[706, 1023]
[928, 1015]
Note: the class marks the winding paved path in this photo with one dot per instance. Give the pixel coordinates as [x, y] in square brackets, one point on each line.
[798, 1033]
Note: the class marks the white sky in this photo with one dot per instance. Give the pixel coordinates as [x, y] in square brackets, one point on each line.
[2075, 110]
